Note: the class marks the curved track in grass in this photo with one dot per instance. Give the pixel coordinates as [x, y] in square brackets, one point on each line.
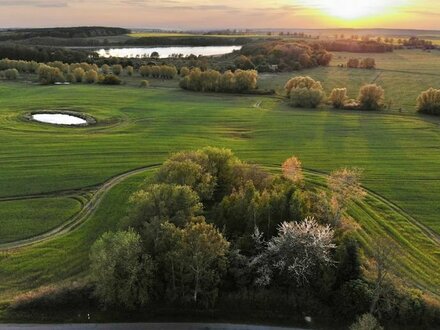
[88, 209]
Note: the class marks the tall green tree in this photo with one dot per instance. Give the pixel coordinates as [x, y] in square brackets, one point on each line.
[122, 274]
[201, 252]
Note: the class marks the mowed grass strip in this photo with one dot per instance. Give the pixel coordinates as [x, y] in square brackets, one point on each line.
[23, 219]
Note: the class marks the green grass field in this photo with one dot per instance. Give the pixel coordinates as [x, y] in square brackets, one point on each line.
[20, 219]
[138, 127]
[404, 74]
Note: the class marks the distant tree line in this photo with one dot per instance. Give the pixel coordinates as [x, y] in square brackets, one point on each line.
[62, 32]
[45, 54]
[415, 42]
[356, 46]
[191, 41]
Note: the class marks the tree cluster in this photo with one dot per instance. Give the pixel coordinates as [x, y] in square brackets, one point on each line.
[365, 63]
[239, 81]
[371, 97]
[415, 42]
[305, 92]
[208, 226]
[284, 55]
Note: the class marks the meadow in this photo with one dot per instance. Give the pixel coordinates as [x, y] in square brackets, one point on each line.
[398, 151]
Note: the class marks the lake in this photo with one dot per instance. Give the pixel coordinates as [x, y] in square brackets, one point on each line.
[165, 52]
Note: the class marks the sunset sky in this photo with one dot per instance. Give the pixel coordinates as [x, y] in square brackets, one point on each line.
[197, 14]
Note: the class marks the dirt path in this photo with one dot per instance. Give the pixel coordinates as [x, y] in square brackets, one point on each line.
[88, 209]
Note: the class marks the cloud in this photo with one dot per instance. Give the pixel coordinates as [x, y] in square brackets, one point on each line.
[33, 3]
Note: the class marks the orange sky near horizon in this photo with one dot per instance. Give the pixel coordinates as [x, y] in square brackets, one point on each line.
[210, 14]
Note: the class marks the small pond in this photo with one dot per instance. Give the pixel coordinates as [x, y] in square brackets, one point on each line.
[58, 119]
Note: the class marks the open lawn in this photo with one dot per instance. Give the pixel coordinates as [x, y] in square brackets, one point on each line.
[139, 127]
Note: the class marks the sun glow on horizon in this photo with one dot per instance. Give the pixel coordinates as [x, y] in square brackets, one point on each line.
[354, 9]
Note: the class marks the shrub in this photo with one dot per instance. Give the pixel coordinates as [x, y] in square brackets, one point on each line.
[49, 75]
[244, 63]
[301, 82]
[129, 69]
[429, 101]
[111, 80]
[371, 97]
[145, 70]
[338, 97]
[353, 63]
[304, 92]
[78, 74]
[366, 322]
[11, 74]
[91, 76]
[105, 69]
[184, 71]
[306, 98]
[70, 77]
[117, 69]
[368, 63]
[167, 71]
[351, 104]
[145, 83]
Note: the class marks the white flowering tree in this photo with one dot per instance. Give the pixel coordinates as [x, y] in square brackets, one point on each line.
[296, 252]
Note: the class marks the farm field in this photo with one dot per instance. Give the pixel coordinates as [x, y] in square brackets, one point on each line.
[140, 127]
[61, 188]
[404, 74]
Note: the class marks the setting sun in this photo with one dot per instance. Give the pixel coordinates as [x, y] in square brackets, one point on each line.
[354, 9]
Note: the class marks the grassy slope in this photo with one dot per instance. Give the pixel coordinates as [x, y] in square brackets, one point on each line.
[22, 219]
